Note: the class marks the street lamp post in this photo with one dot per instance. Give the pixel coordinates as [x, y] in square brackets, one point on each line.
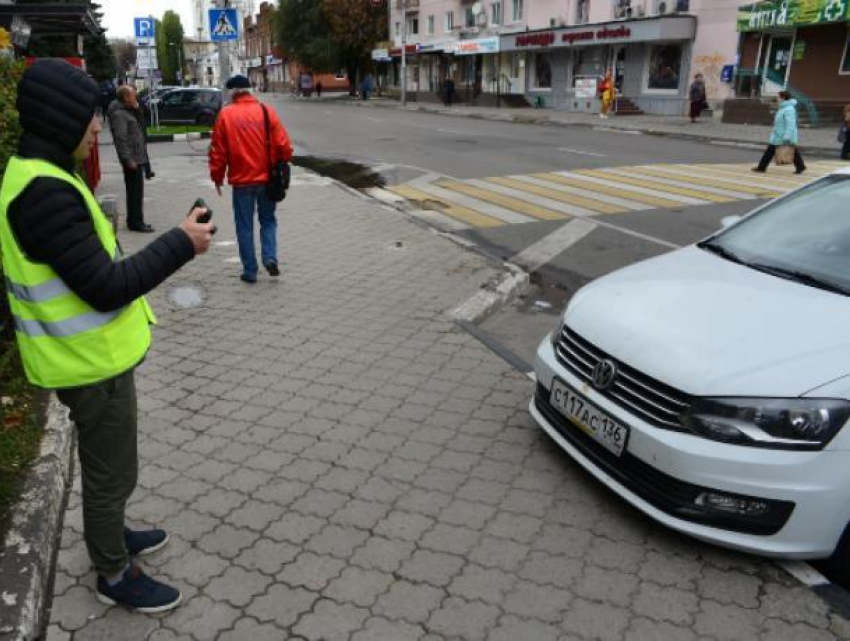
[403, 53]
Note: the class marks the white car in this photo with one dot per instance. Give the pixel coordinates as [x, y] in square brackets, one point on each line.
[709, 387]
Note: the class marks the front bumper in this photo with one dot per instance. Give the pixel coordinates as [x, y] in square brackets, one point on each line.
[661, 472]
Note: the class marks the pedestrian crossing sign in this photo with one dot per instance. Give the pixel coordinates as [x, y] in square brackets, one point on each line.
[224, 25]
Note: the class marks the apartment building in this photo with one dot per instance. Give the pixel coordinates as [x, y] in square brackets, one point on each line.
[553, 52]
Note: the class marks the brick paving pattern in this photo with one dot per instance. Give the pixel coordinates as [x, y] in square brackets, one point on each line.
[335, 459]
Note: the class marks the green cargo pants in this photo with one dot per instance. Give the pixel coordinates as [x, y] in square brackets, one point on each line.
[105, 415]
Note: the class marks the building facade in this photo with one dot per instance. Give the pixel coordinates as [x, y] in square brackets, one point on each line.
[800, 46]
[553, 52]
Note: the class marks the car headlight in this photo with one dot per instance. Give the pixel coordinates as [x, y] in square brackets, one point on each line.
[797, 423]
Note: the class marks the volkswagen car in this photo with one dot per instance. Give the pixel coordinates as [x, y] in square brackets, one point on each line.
[709, 387]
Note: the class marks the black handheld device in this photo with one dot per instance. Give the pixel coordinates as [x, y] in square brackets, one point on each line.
[203, 218]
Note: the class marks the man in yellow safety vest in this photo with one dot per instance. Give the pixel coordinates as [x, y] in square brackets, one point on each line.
[81, 320]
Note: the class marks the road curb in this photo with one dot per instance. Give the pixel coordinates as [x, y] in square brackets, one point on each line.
[544, 120]
[198, 135]
[512, 282]
[28, 559]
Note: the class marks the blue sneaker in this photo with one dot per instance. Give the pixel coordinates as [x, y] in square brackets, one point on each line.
[144, 542]
[139, 592]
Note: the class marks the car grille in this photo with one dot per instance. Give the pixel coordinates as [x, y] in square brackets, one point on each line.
[654, 402]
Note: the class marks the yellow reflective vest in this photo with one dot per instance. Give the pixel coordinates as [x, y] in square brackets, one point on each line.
[64, 342]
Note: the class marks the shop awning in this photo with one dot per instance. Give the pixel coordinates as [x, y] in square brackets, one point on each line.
[52, 19]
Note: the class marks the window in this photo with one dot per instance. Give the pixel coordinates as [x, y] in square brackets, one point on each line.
[496, 13]
[665, 64]
[450, 20]
[542, 71]
[468, 18]
[583, 12]
[430, 25]
[845, 59]
[398, 30]
[516, 13]
[412, 26]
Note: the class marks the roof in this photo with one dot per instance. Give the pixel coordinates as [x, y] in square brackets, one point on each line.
[53, 19]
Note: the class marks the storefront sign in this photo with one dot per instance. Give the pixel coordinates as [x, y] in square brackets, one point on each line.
[791, 13]
[649, 30]
[727, 73]
[409, 50]
[255, 62]
[271, 60]
[586, 87]
[381, 55]
[435, 46]
[799, 50]
[472, 47]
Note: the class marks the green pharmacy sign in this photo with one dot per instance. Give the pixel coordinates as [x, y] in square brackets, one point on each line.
[791, 13]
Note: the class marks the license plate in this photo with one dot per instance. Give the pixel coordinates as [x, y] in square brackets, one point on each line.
[593, 421]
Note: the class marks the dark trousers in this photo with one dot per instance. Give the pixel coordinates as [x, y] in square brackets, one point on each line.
[105, 416]
[134, 183]
[770, 152]
[845, 149]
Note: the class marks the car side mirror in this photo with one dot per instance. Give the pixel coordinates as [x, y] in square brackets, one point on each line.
[728, 221]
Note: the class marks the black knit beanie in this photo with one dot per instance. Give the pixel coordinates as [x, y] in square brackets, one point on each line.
[56, 102]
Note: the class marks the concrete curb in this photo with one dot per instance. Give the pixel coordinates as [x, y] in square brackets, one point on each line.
[179, 137]
[28, 559]
[544, 120]
[493, 296]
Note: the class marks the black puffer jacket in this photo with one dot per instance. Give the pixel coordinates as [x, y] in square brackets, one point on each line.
[50, 220]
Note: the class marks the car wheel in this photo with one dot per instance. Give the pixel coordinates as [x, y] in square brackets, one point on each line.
[205, 119]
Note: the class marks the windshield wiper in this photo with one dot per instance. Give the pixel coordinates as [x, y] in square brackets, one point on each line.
[720, 250]
[800, 277]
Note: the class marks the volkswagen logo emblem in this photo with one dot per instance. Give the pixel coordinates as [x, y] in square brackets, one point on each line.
[604, 375]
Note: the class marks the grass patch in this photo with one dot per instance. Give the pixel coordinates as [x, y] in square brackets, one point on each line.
[21, 407]
[177, 129]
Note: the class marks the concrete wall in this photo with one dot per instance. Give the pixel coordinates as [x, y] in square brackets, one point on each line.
[716, 43]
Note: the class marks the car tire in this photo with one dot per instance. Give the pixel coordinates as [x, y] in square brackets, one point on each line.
[207, 120]
[837, 567]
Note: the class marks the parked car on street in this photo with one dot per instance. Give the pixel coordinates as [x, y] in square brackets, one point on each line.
[188, 106]
[710, 387]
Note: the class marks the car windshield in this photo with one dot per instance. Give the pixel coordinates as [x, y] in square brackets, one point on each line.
[804, 237]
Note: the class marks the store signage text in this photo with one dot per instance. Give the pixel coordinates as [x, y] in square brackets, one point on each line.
[548, 38]
[789, 13]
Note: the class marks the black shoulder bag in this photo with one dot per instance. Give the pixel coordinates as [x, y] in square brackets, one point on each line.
[278, 182]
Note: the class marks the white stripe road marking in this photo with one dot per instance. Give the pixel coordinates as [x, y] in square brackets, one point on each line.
[384, 196]
[480, 206]
[629, 173]
[580, 152]
[450, 131]
[587, 193]
[535, 256]
[435, 219]
[803, 572]
[564, 208]
[685, 200]
[721, 180]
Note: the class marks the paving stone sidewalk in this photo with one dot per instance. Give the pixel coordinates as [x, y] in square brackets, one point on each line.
[820, 140]
[335, 459]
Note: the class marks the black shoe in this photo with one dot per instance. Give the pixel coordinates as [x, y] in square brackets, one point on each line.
[139, 592]
[272, 269]
[140, 543]
[150, 175]
[759, 170]
[144, 228]
[800, 171]
[251, 280]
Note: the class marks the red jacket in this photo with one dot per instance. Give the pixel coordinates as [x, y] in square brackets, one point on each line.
[239, 143]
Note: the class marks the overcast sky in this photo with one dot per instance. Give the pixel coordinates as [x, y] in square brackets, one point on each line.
[118, 14]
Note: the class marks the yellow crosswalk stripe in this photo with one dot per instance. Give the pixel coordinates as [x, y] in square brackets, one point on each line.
[520, 206]
[650, 184]
[708, 182]
[469, 216]
[560, 196]
[789, 181]
[619, 191]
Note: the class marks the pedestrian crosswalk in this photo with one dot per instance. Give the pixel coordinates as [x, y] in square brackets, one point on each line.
[560, 195]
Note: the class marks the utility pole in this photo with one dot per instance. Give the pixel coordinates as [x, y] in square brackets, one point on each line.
[403, 52]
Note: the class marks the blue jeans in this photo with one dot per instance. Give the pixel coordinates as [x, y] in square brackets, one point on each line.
[245, 200]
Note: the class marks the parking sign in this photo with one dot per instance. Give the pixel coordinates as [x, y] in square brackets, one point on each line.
[145, 29]
[224, 25]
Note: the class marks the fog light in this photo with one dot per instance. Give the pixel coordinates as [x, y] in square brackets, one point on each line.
[732, 504]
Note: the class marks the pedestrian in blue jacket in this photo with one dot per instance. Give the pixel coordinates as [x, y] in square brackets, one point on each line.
[784, 133]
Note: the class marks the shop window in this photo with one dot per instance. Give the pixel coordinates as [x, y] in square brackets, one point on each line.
[468, 18]
[845, 59]
[450, 20]
[430, 25]
[398, 30]
[542, 71]
[496, 13]
[665, 65]
[516, 10]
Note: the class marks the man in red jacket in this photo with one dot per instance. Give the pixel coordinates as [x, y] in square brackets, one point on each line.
[239, 148]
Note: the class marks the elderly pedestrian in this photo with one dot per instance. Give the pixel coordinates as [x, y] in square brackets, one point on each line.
[784, 133]
[128, 135]
[81, 319]
[697, 97]
[248, 139]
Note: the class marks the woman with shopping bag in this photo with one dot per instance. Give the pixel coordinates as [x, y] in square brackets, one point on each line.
[784, 138]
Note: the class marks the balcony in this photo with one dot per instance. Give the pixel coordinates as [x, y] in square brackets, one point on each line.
[409, 5]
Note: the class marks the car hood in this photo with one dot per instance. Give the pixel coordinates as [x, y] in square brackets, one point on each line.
[708, 326]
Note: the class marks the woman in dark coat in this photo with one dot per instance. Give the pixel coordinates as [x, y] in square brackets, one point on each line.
[697, 97]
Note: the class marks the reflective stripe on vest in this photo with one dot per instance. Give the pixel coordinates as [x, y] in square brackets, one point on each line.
[38, 293]
[65, 328]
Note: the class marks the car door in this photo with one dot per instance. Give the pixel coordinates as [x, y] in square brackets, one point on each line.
[189, 106]
[169, 107]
